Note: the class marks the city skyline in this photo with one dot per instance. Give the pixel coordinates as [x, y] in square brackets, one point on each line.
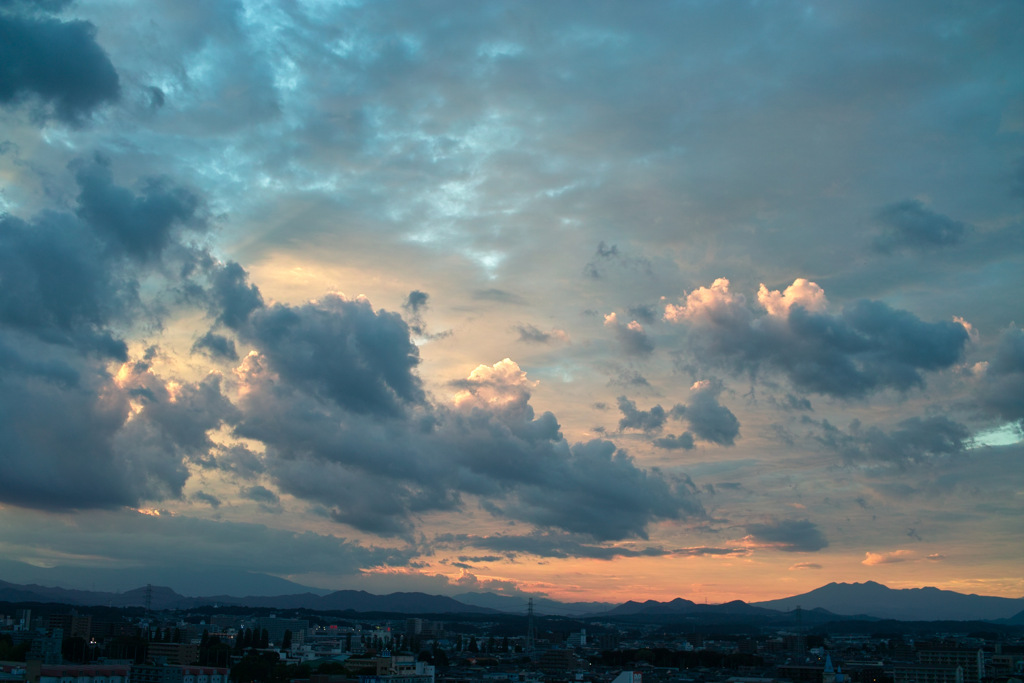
[585, 300]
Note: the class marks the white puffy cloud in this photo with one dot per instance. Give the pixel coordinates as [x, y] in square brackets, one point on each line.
[801, 293]
[715, 305]
[867, 347]
[494, 386]
[871, 559]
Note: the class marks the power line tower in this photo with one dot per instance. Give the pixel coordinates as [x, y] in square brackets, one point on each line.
[531, 630]
[801, 637]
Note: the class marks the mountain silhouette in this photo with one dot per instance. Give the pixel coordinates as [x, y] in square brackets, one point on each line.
[907, 604]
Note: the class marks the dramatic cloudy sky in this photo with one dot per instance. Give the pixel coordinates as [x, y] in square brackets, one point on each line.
[592, 300]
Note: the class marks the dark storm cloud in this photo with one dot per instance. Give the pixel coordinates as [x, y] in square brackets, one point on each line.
[362, 469]
[73, 446]
[377, 471]
[595, 480]
[416, 301]
[632, 337]
[372, 513]
[54, 63]
[260, 494]
[216, 346]
[788, 535]
[360, 359]
[209, 499]
[414, 305]
[65, 295]
[533, 335]
[634, 340]
[644, 420]
[183, 415]
[529, 333]
[141, 224]
[709, 420]
[63, 282]
[914, 440]
[169, 429]
[644, 313]
[1001, 385]
[233, 299]
[238, 460]
[909, 225]
[868, 347]
[59, 286]
[497, 439]
[58, 442]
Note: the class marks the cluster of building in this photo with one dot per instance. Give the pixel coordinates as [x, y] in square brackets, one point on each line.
[68, 647]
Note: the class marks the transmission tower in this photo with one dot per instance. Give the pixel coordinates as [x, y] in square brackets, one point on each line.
[531, 630]
[801, 637]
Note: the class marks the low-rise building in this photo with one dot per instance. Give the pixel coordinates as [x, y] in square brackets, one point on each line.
[927, 673]
[174, 653]
[972, 661]
[84, 673]
[167, 673]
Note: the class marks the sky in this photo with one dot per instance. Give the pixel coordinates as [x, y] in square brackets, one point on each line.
[588, 300]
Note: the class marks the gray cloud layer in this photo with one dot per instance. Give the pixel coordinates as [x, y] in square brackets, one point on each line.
[479, 153]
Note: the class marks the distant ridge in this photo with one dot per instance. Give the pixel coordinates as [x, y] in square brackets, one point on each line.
[682, 606]
[841, 601]
[517, 604]
[183, 580]
[163, 598]
[906, 604]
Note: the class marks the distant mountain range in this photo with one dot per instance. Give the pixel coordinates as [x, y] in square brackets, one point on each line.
[681, 606]
[518, 604]
[185, 580]
[918, 604]
[868, 600]
[162, 598]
